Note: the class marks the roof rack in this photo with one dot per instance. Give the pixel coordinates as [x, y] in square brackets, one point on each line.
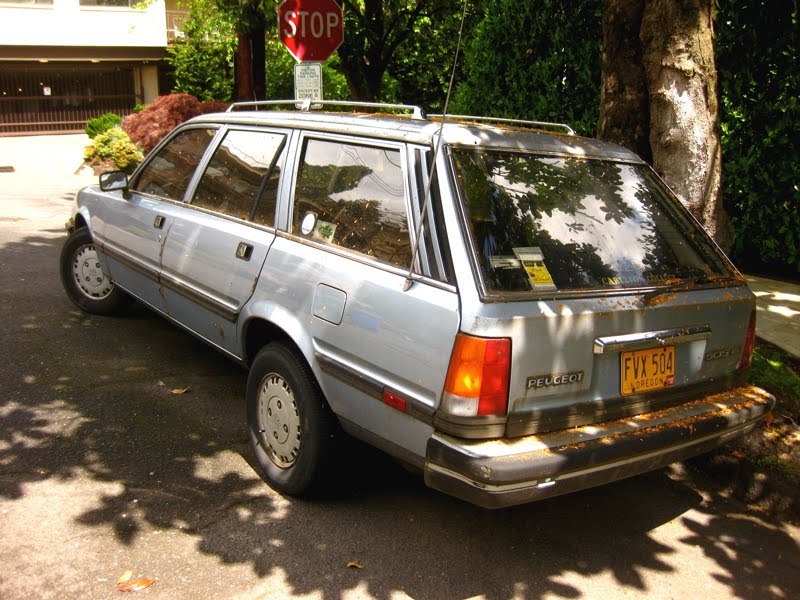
[305, 105]
[567, 128]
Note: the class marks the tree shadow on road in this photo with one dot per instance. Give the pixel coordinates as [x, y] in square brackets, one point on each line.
[92, 398]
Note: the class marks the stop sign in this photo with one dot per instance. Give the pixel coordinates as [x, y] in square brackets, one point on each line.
[310, 29]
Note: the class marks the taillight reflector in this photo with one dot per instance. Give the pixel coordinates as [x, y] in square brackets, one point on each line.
[750, 343]
[477, 378]
[395, 401]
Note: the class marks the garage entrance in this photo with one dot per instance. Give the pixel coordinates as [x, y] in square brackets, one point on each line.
[53, 99]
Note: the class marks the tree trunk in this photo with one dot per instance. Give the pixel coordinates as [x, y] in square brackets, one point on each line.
[243, 69]
[259, 64]
[624, 102]
[664, 80]
[678, 43]
[360, 56]
[250, 65]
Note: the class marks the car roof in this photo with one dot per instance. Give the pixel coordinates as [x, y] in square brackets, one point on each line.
[458, 131]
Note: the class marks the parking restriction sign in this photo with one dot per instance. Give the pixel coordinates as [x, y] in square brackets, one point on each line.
[308, 81]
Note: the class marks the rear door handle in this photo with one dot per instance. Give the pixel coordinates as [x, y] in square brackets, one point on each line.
[244, 251]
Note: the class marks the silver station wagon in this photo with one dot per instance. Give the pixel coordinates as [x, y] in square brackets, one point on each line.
[516, 311]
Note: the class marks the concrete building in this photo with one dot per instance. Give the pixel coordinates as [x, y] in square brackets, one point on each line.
[65, 61]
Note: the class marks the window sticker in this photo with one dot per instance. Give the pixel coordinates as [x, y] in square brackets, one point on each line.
[324, 231]
[532, 260]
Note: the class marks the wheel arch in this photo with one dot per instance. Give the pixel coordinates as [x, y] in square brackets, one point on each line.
[80, 220]
[261, 326]
[260, 330]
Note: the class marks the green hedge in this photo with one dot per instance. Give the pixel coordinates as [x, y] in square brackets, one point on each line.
[757, 49]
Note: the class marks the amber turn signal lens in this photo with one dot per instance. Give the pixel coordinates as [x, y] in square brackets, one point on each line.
[478, 375]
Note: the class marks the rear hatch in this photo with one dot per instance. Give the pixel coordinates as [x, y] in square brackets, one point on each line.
[615, 301]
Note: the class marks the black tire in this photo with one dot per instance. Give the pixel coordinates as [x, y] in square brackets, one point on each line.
[292, 430]
[89, 288]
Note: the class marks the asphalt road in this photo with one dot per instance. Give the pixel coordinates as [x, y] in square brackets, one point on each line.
[103, 469]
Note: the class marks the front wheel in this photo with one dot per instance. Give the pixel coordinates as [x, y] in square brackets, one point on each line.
[291, 426]
[84, 280]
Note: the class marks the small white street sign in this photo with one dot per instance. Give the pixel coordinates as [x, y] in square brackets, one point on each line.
[308, 82]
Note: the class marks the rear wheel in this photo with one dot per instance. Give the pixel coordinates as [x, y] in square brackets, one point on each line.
[291, 427]
[83, 278]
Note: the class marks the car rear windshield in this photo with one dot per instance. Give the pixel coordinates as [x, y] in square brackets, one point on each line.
[547, 223]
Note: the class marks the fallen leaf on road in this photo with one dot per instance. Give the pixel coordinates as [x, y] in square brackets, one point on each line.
[180, 392]
[136, 585]
[769, 418]
[354, 564]
[738, 454]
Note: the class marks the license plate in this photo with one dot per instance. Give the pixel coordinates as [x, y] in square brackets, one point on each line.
[647, 370]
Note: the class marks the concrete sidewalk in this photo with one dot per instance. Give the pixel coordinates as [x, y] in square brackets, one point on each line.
[51, 165]
[778, 316]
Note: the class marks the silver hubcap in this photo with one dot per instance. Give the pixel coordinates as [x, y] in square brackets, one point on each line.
[278, 420]
[89, 275]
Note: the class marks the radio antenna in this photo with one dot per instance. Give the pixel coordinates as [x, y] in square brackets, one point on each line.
[424, 211]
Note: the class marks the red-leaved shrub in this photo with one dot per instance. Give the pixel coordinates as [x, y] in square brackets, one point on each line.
[212, 106]
[149, 126]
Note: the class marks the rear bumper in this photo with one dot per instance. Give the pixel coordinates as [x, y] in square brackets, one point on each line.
[498, 473]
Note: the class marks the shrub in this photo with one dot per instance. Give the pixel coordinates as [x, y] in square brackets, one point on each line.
[103, 141]
[115, 145]
[149, 126]
[98, 125]
[138, 108]
[535, 60]
[125, 154]
[760, 121]
[212, 106]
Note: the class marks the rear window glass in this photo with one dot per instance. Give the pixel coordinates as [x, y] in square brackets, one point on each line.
[546, 223]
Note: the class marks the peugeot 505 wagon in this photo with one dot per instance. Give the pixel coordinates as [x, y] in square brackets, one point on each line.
[514, 310]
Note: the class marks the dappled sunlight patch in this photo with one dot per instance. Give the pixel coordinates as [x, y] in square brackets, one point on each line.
[786, 297]
[220, 465]
[277, 579]
[783, 311]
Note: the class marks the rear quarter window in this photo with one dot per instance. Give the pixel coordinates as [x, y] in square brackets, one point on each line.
[352, 196]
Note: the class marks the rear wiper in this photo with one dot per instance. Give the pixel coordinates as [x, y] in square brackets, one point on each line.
[684, 285]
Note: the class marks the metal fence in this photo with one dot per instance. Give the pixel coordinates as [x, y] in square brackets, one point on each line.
[51, 100]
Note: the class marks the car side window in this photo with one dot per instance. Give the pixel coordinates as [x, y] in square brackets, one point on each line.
[244, 169]
[169, 172]
[352, 196]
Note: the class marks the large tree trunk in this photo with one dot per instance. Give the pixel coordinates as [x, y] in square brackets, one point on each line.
[624, 101]
[250, 65]
[243, 68]
[360, 56]
[676, 48]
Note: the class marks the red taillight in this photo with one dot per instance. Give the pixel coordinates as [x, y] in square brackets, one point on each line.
[477, 378]
[750, 343]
